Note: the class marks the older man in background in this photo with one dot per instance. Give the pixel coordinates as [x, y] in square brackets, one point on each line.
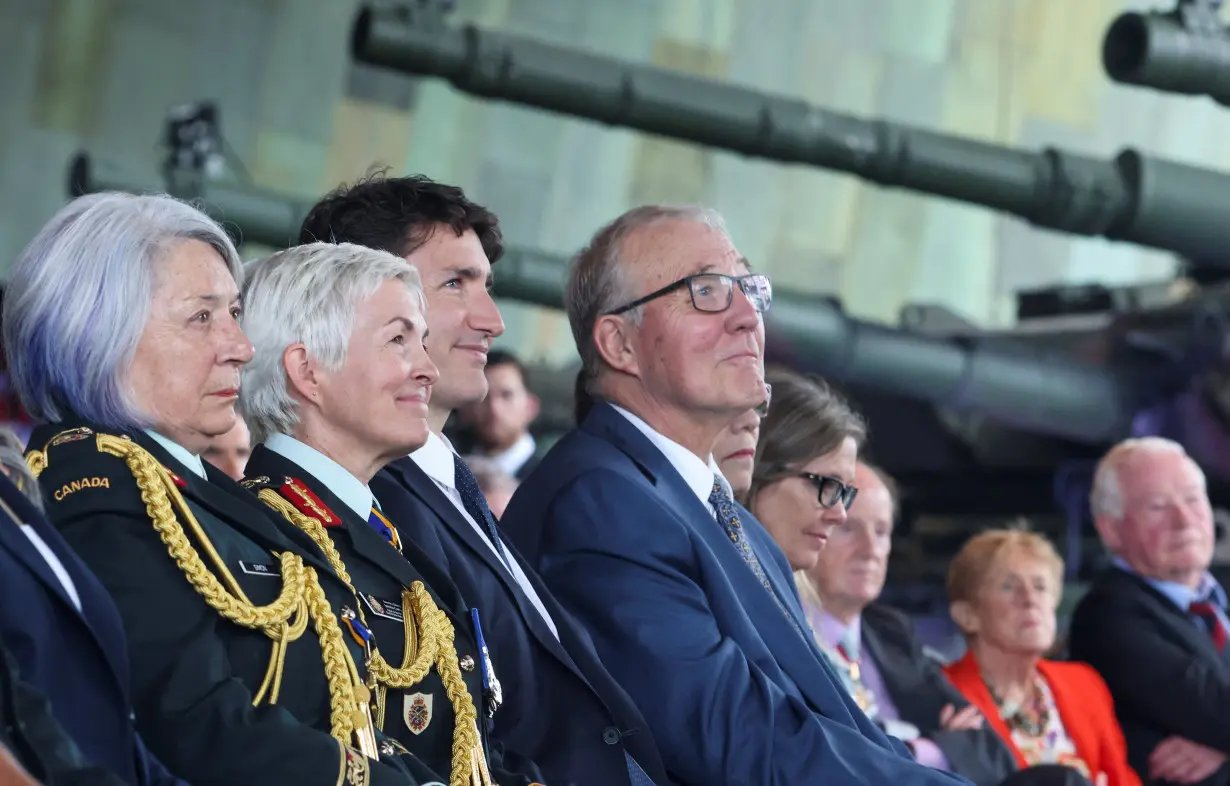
[1154, 624]
[876, 650]
[694, 613]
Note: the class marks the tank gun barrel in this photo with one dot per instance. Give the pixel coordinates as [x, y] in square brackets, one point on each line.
[1133, 198]
[1186, 50]
[1045, 394]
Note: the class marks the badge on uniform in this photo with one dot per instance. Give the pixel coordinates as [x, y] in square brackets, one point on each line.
[389, 609]
[416, 711]
[256, 569]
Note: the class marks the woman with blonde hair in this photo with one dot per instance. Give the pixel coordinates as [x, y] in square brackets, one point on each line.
[1003, 588]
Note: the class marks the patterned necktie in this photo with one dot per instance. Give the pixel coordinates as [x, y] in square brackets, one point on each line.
[724, 507]
[636, 774]
[476, 504]
[849, 660]
[1207, 612]
[378, 522]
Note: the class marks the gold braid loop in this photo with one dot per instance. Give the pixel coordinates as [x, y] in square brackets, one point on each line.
[158, 491]
[284, 620]
[344, 690]
[436, 638]
[36, 460]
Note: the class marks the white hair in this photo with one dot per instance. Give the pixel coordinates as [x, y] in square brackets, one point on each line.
[597, 282]
[78, 299]
[307, 295]
[1106, 496]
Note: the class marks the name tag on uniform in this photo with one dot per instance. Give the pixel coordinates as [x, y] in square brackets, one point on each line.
[389, 609]
[256, 569]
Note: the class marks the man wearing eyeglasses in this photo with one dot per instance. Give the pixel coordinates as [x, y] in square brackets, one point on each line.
[634, 529]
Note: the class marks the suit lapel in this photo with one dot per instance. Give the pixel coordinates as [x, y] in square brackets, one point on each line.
[1183, 626]
[797, 657]
[418, 483]
[89, 591]
[892, 662]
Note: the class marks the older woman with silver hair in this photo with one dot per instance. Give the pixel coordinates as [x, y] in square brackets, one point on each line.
[121, 319]
[340, 388]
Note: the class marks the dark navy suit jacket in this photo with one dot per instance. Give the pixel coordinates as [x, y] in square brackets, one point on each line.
[561, 708]
[733, 691]
[78, 660]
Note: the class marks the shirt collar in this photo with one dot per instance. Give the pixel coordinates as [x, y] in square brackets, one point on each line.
[1181, 595]
[512, 459]
[698, 474]
[180, 453]
[345, 486]
[436, 459]
[835, 632]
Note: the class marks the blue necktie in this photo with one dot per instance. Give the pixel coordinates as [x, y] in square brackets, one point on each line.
[476, 504]
[728, 517]
[637, 775]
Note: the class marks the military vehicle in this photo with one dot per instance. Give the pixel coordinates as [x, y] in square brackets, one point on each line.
[1186, 50]
[973, 422]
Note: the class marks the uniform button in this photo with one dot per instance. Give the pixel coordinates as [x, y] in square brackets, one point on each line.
[467, 663]
[610, 735]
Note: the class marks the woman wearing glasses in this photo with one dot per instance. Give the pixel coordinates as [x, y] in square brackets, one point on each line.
[804, 468]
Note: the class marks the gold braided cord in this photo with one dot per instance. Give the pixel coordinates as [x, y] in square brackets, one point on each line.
[339, 667]
[467, 747]
[436, 637]
[37, 461]
[284, 620]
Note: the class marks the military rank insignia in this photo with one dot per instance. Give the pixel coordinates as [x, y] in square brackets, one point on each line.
[416, 709]
[389, 609]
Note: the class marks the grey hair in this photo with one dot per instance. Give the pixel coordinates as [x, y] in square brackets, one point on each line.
[307, 295]
[13, 463]
[78, 299]
[597, 282]
[1106, 495]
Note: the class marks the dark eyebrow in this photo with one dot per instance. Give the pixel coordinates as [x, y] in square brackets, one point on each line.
[409, 326]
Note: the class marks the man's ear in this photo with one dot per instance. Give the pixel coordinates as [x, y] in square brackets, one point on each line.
[302, 374]
[963, 614]
[533, 406]
[613, 340]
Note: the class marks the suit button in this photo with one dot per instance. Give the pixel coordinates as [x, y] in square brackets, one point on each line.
[467, 663]
[610, 735]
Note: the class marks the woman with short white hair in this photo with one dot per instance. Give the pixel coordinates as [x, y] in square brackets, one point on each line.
[339, 389]
[121, 322]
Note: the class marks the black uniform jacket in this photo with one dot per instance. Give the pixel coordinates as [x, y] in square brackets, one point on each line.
[194, 672]
[423, 717]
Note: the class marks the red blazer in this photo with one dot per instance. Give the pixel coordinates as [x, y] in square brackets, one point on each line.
[1085, 707]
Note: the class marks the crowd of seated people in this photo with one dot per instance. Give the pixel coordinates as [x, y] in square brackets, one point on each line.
[239, 546]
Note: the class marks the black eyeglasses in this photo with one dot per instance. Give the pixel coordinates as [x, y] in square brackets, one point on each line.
[713, 292]
[762, 409]
[829, 491]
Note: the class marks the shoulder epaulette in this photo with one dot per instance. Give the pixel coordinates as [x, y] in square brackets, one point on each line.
[305, 500]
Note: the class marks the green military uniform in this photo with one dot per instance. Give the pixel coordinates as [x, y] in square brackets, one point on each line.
[429, 669]
[241, 673]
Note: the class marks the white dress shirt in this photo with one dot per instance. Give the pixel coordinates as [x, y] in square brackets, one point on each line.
[698, 475]
[180, 453]
[54, 563]
[436, 459]
[345, 486]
